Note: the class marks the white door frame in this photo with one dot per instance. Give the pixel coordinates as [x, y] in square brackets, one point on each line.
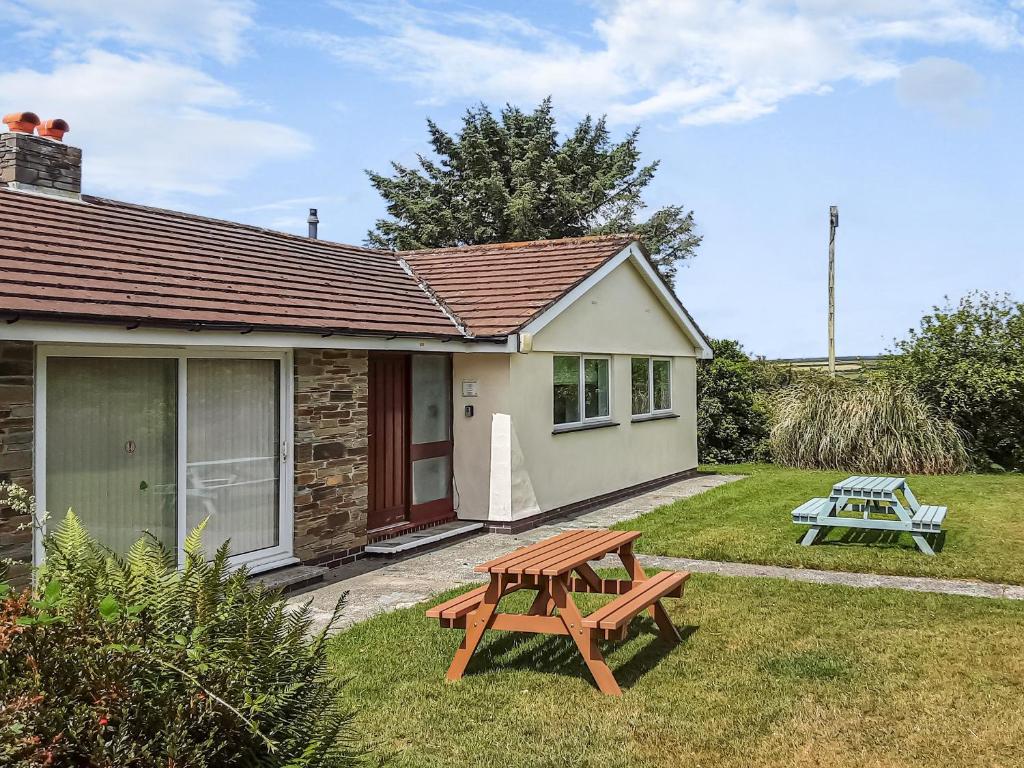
[260, 560]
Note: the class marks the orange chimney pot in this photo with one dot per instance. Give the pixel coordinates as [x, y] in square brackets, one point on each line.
[54, 129]
[22, 122]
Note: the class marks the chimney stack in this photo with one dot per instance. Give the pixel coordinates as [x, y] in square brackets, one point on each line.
[40, 163]
[312, 220]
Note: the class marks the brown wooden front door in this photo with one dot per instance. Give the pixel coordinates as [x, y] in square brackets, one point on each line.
[388, 440]
[410, 443]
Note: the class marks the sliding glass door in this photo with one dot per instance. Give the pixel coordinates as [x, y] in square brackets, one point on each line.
[232, 472]
[136, 443]
[111, 446]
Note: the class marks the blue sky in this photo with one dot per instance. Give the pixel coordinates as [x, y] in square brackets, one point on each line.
[905, 113]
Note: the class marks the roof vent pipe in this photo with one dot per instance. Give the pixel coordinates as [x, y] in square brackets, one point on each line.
[312, 220]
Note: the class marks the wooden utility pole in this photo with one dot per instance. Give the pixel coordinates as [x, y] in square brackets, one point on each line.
[833, 223]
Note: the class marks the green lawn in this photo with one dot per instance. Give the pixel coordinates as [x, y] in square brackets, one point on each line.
[749, 521]
[772, 674]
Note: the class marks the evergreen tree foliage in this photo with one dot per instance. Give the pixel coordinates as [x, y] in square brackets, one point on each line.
[732, 413]
[967, 362]
[508, 178]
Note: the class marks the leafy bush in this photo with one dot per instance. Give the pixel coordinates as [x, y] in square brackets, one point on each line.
[862, 425]
[967, 362]
[130, 662]
[732, 415]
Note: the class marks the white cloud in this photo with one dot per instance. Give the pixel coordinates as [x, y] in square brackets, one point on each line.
[702, 61]
[207, 27]
[943, 86]
[150, 128]
[129, 76]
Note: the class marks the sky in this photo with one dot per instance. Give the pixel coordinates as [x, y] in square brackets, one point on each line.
[907, 114]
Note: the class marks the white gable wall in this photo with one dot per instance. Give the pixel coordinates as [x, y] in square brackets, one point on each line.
[509, 463]
[574, 466]
[618, 315]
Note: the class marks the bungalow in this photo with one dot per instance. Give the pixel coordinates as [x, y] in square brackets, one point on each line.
[310, 398]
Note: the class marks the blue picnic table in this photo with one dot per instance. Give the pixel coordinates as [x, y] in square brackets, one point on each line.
[874, 503]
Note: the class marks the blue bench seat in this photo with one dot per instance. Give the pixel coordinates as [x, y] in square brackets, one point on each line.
[807, 513]
[929, 518]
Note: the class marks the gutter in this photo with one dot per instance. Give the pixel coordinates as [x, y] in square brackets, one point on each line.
[132, 323]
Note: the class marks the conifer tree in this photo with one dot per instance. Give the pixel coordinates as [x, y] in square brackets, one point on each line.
[509, 178]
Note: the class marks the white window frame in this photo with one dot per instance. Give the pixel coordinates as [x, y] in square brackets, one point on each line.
[652, 411]
[257, 561]
[583, 419]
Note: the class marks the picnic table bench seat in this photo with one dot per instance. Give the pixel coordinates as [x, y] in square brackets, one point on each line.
[451, 611]
[613, 619]
[808, 511]
[929, 518]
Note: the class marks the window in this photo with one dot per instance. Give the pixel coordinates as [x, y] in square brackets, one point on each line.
[595, 388]
[582, 389]
[641, 385]
[651, 385]
[567, 390]
[661, 384]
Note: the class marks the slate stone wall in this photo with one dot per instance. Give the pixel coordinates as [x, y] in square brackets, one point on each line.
[16, 429]
[331, 457]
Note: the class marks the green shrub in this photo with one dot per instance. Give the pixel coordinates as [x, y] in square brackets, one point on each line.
[732, 414]
[130, 662]
[867, 426]
[967, 362]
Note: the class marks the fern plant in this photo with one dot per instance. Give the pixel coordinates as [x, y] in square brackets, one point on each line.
[128, 661]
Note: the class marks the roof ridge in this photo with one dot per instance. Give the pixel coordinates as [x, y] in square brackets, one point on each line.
[435, 297]
[540, 243]
[230, 223]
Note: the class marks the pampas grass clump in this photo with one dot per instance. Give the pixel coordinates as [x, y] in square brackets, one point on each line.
[869, 426]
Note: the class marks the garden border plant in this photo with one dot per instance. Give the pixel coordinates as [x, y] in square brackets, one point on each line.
[129, 661]
[868, 426]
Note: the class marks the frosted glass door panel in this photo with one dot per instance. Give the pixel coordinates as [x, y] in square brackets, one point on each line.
[111, 437]
[430, 479]
[431, 399]
[233, 465]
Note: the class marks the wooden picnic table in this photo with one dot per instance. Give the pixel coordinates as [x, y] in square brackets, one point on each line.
[557, 568]
[871, 497]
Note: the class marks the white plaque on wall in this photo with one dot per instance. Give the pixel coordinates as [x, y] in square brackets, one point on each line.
[470, 388]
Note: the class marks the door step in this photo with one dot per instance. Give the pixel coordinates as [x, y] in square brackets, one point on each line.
[292, 577]
[408, 542]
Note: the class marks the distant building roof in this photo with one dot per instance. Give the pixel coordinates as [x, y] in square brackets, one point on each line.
[824, 360]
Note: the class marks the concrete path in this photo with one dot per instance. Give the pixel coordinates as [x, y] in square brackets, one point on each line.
[909, 583]
[376, 586]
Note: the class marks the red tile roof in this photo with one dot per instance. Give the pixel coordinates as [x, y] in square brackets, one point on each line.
[496, 289]
[104, 260]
